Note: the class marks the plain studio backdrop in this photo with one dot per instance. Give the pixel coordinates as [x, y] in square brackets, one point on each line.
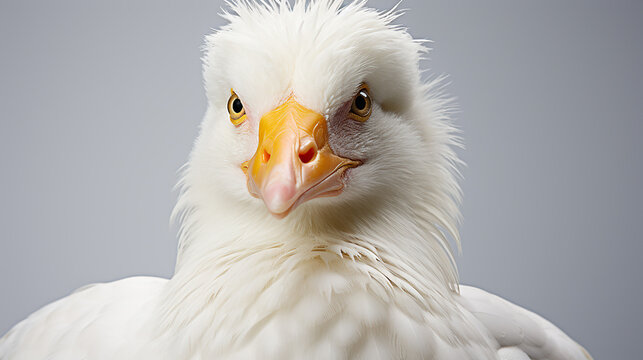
[100, 104]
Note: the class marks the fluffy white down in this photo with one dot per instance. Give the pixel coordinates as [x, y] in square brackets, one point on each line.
[366, 275]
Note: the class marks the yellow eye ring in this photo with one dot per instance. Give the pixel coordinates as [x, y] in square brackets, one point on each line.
[362, 105]
[236, 109]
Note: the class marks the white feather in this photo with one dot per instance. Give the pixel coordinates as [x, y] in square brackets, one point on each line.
[519, 333]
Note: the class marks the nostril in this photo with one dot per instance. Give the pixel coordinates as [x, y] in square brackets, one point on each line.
[265, 156]
[307, 155]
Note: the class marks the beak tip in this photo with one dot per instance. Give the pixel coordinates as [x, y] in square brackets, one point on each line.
[279, 198]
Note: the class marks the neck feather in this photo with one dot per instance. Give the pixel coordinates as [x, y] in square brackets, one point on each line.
[234, 256]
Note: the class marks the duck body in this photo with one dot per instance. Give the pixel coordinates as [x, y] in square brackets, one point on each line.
[327, 307]
[316, 213]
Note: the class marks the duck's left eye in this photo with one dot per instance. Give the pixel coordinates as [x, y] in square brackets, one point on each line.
[236, 109]
[361, 106]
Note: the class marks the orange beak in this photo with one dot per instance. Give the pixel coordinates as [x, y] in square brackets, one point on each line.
[293, 162]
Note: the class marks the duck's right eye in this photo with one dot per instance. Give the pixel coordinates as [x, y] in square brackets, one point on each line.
[236, 109]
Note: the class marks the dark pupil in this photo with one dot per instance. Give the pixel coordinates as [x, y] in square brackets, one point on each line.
[360, 102]
[237, 106]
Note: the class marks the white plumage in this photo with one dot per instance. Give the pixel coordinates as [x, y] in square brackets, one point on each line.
[363, 272]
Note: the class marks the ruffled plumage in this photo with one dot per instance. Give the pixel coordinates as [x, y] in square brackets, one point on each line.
[366, 275]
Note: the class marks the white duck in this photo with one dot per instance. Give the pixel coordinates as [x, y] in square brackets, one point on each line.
[315, 215]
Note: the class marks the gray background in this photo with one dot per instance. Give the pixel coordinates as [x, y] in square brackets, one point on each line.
[100, 103]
